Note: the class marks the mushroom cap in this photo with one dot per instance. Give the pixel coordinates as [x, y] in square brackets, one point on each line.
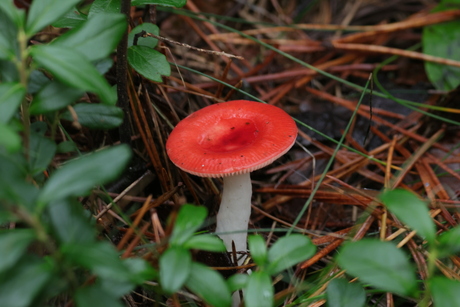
[231, 138]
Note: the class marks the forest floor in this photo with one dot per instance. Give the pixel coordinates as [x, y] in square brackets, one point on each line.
[322, 62]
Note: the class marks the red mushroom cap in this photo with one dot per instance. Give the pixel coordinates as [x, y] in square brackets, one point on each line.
[230, 138]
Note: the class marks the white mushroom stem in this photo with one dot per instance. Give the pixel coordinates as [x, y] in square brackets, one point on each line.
[234, 212]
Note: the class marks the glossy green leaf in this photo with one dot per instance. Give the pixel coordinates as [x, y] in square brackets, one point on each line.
[53, 97]
[237, 281]
[205, 242]
[288, 251]
[148, 62]
[175, 267]
[8, 37]
[99, 257]
[104, 6]
[381, 264]
[11, 96]
[69, 222]
[209, 285]
[259, 290]
[73, 69]
[445, 292]
[174, 3]
[96, 295]
[442, 40]
[71, 19]
[449, 242]
[80, 175]
[258, 250]
[144, 41]
[411, 210]
[97, 37]
[23, 283]
[9, 139]
[96, 116]
[188, 220]
[41, 152]
[45, 12]
[13, 243]
[341, 293]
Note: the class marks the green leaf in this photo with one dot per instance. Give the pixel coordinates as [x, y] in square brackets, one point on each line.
[45, 12]
[11, 96]
[104, 6]
[9, 139]
[148, 62]
[174, 3]
[8, 71]
[15, 14]
[288, 251]
[15, 189]
[341, 293]
[13, 244]
[100, 257]
[442, 40]
[96, 116]
[73, 69]
[140, 270]
[103, 65]
[411, 210]
[39, 127]
[237, 281]
[80, 175]
[205, 242]
[209, 285]
[188, 220]
[70, 223]
[445, 292]
[37, 81]
[25, 281]
[41, 152]
[144, 41]
[96, 295]
[258, 249]
[72, 19]
[449, 242]
[53, 97]
[175, 267]
[97, 37]
[259, 290]
[66, 146]
[8, 37]
[381, 264]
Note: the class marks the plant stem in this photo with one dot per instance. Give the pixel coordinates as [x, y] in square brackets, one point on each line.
[24, 75]
[122, 78]
[432, 257]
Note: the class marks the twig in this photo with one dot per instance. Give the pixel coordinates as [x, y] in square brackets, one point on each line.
[223, 53]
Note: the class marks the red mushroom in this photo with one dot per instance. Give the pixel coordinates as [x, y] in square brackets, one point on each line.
[230, 140]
